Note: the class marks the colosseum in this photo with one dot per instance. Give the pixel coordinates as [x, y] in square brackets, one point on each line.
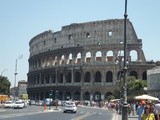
[83, 61]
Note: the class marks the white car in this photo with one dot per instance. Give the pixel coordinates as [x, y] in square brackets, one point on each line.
[70, 107]
[18, 104]
[8, 104]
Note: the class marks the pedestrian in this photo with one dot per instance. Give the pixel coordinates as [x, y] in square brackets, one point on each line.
[133, 107]
[117, 107]
[157, 110]
[140, 109]
[148, 115]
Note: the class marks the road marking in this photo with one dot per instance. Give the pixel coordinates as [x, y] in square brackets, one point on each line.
[82, 116]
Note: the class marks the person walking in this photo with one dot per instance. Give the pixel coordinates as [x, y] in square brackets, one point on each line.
[157, 110]
[148, 115]
[140, 110]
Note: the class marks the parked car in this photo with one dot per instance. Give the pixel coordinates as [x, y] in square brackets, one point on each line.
[19, 104]
[8, 104]
[70, 106]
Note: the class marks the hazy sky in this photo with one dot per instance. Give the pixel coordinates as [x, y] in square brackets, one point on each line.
[21, 20]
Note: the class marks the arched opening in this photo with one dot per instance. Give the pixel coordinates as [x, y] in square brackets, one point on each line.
[68, 77]
[76, 96]
[144, 76]
[87, 77]
[61, 78]
[107, 95]
[77, 76]
[133, 55]
[88, 57]
[97, 96]
[62, 59]
[109, 76]
[60, 96]
[47, 78]
[67, 95]
[86, 96]
[98, 77]
[109, 56]
[98, 56]
[134, 73]
[78, 59]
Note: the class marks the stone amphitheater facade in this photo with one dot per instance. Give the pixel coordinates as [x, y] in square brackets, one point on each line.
[83, 61]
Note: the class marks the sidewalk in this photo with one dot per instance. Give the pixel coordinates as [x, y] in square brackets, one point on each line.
[130, 117]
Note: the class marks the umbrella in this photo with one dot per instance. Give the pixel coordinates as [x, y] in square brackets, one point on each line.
[114, 100]
[146, 97]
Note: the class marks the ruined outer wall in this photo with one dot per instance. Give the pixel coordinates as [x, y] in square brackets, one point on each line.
[84, 34]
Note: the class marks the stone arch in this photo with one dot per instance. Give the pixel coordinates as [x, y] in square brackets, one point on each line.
[79, 57]
[97, 96]
[134, 73]
[107, 95]
[86, 96]
[133, 55]
[37, 96]
[88, 57]
[87, 77]
[77, 76]
[70, 58]
[76, 95]
[62, 60]
[53, 78]
[68, 95]
[43, 62]
[47, 76]
[47, 95]
[41, 96]
[98, 77]
[60, 77]
[109, 56]
[68, 77]
[55, 60]
[144, 75]
[98, 56]
[60, 96]
[109, 76]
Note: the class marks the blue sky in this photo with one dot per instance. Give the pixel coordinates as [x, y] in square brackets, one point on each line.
[21, 20]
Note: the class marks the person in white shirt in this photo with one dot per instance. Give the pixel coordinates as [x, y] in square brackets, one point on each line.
[157, 110]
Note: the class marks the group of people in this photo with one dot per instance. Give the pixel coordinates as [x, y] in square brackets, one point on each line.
[148, 111]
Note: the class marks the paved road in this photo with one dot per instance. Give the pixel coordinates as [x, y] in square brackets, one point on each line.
[38, 113]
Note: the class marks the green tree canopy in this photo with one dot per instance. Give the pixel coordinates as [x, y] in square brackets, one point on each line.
[134, 87]
[4, 85]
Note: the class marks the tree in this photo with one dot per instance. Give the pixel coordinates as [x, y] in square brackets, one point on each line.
[4, 85]
[134, 87]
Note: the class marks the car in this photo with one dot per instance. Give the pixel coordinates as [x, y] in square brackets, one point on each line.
[70, 106]
[19, 104]
[8, 104]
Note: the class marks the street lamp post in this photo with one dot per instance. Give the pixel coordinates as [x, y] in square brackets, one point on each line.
[125, 106]
[119, 76]
[16, 75]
